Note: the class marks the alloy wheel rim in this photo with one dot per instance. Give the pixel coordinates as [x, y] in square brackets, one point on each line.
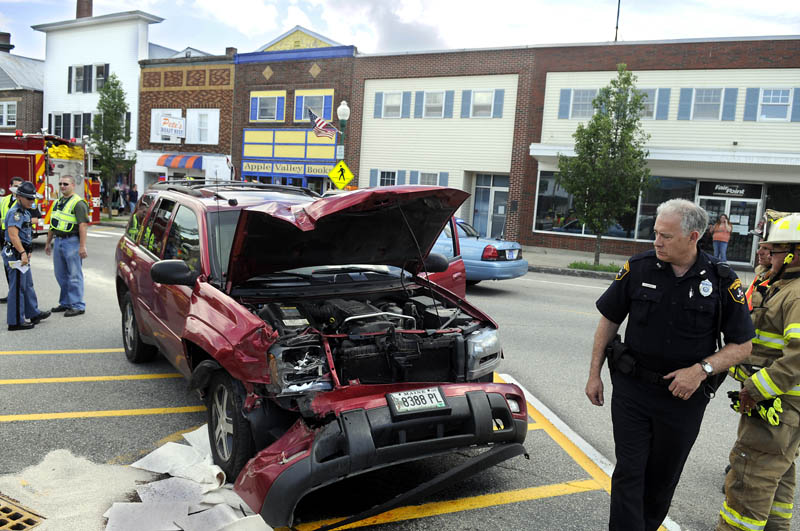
[223, 424]
[129, 326]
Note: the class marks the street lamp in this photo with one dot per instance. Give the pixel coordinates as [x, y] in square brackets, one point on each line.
[343, 112]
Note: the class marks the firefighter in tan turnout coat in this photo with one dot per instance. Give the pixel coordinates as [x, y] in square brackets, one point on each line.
[760, 484]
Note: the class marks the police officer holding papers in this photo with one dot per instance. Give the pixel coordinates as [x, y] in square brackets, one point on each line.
[677, 300]
[22, 302]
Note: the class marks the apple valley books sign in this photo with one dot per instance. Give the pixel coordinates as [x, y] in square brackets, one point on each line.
[286, 168]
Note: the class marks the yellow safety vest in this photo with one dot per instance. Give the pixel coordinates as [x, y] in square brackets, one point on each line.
[5, 206]
[64, 220]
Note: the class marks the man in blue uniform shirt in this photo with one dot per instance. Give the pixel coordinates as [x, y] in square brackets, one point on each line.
[22, 301]
[678, 300]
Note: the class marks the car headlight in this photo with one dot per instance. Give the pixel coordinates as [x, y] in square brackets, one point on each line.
[483, 352]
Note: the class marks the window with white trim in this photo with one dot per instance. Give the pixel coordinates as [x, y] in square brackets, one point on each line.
[774, 104]
[8, 114]
[428, 179]
[392, 101]
[57, 125]
[268, 108]
[434, 104]
[99, 77]
[202, 126]
[77, 78]
[388, 178]
[77, 126]
[649, 96]
[707, 104]
[482, 101]
[582, 103]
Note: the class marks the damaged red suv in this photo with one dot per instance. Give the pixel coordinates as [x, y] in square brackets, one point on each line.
[309, 326]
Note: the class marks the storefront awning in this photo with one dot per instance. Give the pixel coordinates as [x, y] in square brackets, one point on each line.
[180, 161]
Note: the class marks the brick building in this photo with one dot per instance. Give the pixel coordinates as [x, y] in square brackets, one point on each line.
[21, 85]
[198, 92]
[275, 86]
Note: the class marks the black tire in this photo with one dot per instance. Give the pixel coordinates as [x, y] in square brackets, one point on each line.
[472, 282]
[486, 378]
[228, 430]
[136, 350]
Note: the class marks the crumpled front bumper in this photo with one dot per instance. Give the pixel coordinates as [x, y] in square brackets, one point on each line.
[361, 440]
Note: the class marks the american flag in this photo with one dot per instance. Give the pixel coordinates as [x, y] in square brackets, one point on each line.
[321, 127]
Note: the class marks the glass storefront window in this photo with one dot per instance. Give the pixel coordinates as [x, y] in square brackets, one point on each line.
[664, 189]
[783, 197]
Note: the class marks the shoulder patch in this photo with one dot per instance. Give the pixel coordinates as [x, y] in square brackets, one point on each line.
[736, 291]
[17, 216]
[624, 270]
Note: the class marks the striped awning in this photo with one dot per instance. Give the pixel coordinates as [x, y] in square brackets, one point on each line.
[181, 161]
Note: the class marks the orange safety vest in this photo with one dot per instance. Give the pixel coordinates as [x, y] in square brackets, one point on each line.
[749, 294]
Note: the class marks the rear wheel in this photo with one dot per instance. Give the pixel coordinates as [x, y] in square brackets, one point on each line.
[228, 430]
[136, 350]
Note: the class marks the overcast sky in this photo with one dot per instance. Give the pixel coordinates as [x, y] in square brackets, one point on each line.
[399, 25]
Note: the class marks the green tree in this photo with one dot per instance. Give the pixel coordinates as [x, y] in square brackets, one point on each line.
[609, 169]
[110, 134]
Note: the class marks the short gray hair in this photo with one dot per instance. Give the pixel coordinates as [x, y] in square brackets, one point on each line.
[70, 177]
[693, 216]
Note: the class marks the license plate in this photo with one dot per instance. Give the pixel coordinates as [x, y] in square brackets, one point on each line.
[511, 254]
[417, 400]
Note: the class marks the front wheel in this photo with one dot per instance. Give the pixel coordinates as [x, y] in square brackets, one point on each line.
[228, 430]
[136, 350]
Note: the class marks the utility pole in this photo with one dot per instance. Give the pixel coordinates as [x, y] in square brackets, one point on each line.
[616, 29]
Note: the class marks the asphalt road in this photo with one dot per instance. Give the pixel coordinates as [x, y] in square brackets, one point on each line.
[546, 324]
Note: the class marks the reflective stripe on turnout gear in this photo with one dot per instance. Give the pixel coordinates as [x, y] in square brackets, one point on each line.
[769, 340]
[65, 219]
[765, 385]
[783, 510]
[791, 332]
[740, 522]
[5, 205]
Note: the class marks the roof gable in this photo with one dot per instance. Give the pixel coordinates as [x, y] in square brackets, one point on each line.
[21, 72]
[297, 38]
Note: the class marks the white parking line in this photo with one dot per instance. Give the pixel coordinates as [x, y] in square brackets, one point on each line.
[599, 459]
[564, 283]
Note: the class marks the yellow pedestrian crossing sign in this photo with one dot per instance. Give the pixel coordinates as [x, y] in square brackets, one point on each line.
[341, 175]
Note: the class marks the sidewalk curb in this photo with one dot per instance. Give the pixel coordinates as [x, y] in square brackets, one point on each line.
[571, 272]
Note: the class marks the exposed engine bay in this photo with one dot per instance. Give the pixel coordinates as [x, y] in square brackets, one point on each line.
[375, 341]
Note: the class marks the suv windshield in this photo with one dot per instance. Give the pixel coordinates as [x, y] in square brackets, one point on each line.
[221, 227]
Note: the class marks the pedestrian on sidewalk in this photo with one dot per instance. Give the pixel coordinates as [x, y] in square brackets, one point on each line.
[133, 197]
[22, 301]
[673, 298]
[68, 225]
[721, 233]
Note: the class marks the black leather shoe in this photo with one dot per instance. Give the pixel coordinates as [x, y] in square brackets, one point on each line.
[71, 312]
[23, 326]
[59, 308]
[36, 319]
[3, 300]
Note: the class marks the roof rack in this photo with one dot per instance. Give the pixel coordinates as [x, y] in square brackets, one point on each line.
[202, 187]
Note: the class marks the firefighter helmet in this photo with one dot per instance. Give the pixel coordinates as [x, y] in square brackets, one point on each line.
[785, 229]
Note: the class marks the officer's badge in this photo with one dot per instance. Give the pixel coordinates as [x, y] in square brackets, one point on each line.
[706, 288]
[624, 270]
[736, 291]
[17, 216]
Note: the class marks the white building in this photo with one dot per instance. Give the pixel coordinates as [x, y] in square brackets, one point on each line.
[448, 131]
[81, 54]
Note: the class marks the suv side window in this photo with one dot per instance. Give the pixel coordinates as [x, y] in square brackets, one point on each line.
[154, 232]
[183, 242]
[137, 219]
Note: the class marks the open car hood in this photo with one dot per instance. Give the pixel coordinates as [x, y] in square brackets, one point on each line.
[365, 226]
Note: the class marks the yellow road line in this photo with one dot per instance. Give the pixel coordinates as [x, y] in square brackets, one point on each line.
[572, 450]
[99, 414]
[66, 351]
[72, 379]
[534, 426]
[466, 504]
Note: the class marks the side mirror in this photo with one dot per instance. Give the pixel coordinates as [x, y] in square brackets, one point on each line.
[436, 263]
[173, 272]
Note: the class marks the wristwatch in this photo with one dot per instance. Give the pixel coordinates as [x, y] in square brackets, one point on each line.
[709, 370]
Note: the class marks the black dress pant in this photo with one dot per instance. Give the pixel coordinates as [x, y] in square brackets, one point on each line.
[653, 434]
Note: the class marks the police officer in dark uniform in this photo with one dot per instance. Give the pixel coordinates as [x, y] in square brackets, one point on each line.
[678, 300]
[16, 252]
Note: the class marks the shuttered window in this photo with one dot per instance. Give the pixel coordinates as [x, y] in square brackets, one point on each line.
[774, 104]
[392, 104]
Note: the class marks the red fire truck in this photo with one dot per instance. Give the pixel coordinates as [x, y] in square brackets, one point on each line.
[43, 159]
